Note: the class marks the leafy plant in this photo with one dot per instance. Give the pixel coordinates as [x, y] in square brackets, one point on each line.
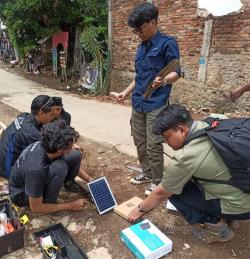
[28, 21]
[96, 47]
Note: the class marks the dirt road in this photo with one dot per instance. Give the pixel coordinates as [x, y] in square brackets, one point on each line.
[98, 121]
[99, 235]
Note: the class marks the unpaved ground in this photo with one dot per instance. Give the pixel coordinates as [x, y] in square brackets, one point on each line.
[99, 235]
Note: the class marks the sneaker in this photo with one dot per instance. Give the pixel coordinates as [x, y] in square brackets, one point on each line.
[139, 179]
[211, 233]
[151, 187]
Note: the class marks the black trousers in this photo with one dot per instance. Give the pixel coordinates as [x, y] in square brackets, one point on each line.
[61, 170]
[193, 206]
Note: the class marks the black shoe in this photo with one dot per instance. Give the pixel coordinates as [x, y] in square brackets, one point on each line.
[140, 179]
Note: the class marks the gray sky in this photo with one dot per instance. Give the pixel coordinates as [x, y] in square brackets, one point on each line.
[220, 7]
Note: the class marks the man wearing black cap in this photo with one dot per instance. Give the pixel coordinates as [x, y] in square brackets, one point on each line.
[59, 111]
[24, 130]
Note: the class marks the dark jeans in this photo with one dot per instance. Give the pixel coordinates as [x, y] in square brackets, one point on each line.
[193, 206]
[61, 170]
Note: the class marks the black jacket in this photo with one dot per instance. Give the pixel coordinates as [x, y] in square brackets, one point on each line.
[23, 131]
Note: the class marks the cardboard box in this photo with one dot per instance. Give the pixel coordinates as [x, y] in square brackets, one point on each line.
[126, 207]
[146, 241]
[15, 240]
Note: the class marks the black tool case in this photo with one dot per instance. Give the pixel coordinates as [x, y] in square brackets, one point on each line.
[15, 240]
[68, 249]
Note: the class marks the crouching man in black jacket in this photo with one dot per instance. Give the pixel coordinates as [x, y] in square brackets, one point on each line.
[42, 169]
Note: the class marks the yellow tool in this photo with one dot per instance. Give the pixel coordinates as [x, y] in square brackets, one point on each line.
[51, 250]
[24, 219]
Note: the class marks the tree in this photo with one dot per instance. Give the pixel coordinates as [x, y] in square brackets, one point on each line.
[28, 21]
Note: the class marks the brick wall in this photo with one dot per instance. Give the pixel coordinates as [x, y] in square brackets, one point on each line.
[228, 61]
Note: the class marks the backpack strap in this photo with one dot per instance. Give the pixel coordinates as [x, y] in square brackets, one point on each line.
[213, 123]
[197, 134]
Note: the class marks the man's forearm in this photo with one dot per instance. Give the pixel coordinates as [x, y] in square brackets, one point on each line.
[245, 88]
[50, 208]
[83, 175]
[171, 78]
[155, 198]
[129, 89]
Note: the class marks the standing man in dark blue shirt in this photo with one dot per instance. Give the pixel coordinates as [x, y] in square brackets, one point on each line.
[154, 53]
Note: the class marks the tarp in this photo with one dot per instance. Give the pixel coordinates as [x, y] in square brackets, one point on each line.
[62, 38]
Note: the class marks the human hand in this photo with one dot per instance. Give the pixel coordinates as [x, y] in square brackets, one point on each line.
[120, 97]
[90, 179]
[77, 147]
[78, 204]
[158, 82]
[113, 94]
[134, 215]
[235, 94]
[85, 176]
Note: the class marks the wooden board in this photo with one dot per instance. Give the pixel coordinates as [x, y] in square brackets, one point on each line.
[126, 207]
[82, 184]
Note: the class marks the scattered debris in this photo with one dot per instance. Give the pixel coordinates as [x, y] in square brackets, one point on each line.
[100, 252]
[233, 253]
[205, 110]
[100, 151]
[42, 221]
[186, 246]
[64, 221]
[89, 225]
[127, 162]
[72, 227]
[134, 168]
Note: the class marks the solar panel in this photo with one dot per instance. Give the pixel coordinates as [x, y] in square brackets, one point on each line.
[102, 195]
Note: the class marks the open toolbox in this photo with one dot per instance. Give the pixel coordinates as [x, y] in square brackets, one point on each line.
[60, 246]
[14, 240]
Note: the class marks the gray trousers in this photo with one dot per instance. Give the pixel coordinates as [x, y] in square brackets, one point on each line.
[149, 146]
[61, 170]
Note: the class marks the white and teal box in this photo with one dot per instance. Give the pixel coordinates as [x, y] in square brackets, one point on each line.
[146, 241]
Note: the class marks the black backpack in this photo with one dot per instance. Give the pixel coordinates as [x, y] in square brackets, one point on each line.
[231, 138]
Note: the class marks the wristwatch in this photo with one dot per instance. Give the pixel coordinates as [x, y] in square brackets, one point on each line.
[141, 209]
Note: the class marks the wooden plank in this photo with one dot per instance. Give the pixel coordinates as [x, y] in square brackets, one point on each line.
[126, 207]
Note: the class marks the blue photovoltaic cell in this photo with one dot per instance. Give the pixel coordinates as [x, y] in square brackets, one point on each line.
[102, 195]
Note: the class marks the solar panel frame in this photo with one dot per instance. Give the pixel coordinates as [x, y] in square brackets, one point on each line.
[108, 191]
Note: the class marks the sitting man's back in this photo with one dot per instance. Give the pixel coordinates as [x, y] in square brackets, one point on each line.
[42, 169]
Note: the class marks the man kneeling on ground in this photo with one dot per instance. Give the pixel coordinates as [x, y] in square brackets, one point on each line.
[42, 169]
[209, 205]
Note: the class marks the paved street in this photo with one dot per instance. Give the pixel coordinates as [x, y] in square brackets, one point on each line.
[101, 122]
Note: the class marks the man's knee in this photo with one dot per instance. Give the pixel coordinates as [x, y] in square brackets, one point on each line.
[74, 156]
[58, 168]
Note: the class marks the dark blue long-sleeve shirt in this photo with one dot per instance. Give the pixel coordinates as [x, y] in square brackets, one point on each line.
[151, 57]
